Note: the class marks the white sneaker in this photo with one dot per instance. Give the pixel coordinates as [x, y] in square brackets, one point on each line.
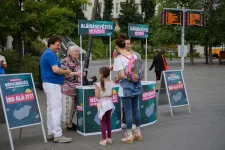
[133, 126]
[124, 126]
[62, 139]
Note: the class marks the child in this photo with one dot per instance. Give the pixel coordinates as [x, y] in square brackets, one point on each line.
[103, 92]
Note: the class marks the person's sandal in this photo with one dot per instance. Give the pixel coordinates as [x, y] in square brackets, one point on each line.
[128, 138]
[137, 135]
[109, 141]
[103, 142]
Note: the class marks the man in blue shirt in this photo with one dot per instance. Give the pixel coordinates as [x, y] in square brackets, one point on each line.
[3, 64]
[53, 77]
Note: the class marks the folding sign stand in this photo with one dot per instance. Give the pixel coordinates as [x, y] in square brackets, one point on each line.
[173, 85]
[20, 103]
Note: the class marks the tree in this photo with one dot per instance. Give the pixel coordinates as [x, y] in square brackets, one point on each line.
[107, 16]
[128, 14]
[147, 8]
[107, 13]
[160, 35]
[28, 19]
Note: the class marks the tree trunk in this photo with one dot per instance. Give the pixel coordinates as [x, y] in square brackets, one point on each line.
[210, 54]
[191, 54]
[19, 50]
[206, 54]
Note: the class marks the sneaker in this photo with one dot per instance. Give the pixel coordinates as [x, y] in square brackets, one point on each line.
[124, 126]
[133, 126]
[103, 142]
[62, 139]
[128, 138]
[137, 135]
[50, 137]
[109, 140]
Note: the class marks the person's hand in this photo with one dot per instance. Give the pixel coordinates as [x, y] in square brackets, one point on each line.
[111, 67]
[68, 71]
[83, 74]
[1, 62]
[116, 80]
[73, 74]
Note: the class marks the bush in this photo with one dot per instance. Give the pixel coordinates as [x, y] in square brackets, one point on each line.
[196, 54]
[98, 48]
[30, 63]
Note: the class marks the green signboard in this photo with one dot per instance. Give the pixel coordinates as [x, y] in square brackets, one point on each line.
[176, 88]
[95, 28]
[138, 30]
[20, 101]
[88, 121]
[148, 103]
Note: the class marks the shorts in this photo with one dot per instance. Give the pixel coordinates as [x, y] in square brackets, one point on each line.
[158, 75]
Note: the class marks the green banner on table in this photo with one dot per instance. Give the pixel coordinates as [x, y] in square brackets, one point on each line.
[95, 28]
[138, 30]
[80, 110]
[148, 104]
[88, 121]
[176, 87]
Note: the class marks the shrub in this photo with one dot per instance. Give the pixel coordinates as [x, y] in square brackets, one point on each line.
[30, 63]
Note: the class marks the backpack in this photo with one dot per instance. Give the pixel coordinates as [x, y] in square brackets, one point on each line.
[135, 71]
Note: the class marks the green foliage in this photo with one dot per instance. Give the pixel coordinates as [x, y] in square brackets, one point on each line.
[107, 13]
[31, 63]
[38, 46]
[148, 7]
[107, 16]
[128, 14]
[98, 50]
[39, 18]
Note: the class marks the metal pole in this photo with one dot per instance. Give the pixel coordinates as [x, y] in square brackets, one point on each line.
[81, 63]
[182, 40]
[90, 39]
[110, 55]
[20, 134]
[146, 63]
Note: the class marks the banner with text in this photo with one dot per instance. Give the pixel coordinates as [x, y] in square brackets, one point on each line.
[148, 104]
[138, 30]
[95, 28]
[175, 87]
[20, 103]
[87, 113]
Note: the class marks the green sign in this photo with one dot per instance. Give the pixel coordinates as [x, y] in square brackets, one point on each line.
[88, 121]
[96, 28]
[176, 88]
[20, 101]
[138, 30]
[148, 104]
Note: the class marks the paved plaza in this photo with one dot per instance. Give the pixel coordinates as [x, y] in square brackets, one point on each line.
[203, 129]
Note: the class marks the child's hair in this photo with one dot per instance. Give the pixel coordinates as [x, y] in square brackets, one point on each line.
[120, 41]
[104, 71]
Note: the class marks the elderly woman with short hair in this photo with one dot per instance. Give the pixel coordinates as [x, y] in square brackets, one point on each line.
[69, 100]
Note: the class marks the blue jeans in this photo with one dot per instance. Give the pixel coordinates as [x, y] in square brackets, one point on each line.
[131, 105]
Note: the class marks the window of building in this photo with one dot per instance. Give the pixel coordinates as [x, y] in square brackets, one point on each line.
[137, 6]
[84, 7]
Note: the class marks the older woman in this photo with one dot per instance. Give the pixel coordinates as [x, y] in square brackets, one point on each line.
[69, 101]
